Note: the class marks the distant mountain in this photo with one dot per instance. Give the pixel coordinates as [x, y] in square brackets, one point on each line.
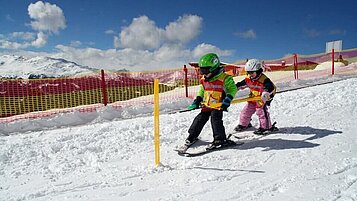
[12, 66]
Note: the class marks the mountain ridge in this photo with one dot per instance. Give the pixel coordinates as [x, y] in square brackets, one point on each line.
[15, 66]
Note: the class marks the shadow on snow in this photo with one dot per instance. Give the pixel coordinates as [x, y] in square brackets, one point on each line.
[279, 144]
[307, 130]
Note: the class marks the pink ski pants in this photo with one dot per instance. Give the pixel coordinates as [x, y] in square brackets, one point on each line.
[262, 112]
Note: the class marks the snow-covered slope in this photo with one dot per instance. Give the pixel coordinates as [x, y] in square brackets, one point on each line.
[328, 64]
[313, 157]
[12, 66]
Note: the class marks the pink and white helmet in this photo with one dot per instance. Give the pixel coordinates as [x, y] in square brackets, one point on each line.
[253, 65]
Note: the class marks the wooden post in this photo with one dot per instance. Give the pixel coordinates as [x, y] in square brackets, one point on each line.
[296, 71]
[104, 89]
[186, 80]
[333, 61]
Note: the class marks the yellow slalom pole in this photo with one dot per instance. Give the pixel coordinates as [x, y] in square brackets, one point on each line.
[245, 99]
[238, 100]
[156, 122]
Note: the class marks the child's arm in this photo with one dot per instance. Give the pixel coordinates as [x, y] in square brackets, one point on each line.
[241, 85]
[231, 88]
[268, 85]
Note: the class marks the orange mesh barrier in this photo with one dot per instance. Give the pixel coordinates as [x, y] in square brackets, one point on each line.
[306, 60]
[19, 96]
[122, 87]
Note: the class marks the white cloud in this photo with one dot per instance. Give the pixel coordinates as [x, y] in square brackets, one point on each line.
[40, 41]
[46, 17]
[250, 34]
[75, 43]
[203, 48]
[23, 35]
[109, 31]
[22, 40]
[167, 56]
[116, 42]
[142, 33]
[131, 59]
[184, 29]
[5, 44]
[171, 52]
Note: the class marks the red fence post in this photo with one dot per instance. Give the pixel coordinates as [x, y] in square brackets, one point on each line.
[296, 75]
[186, 81]
[333, 61]
[104, 89]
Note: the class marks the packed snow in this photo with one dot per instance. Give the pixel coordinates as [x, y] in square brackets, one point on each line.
[312, 157]
[328, 64]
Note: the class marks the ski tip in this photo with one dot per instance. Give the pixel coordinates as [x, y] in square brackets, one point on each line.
[182, 154]
[179, 151]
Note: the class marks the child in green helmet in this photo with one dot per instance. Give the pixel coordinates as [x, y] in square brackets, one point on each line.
[217, 88]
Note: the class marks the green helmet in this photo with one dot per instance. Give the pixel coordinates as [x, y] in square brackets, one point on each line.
[210, 61]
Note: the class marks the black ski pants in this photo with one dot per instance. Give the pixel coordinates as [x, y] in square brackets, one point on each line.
[216, 123]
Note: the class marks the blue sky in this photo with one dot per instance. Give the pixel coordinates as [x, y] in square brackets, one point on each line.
[133, 34]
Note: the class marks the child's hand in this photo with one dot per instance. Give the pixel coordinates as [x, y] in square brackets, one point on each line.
[196, 103]
[226, 102]
[265, 96]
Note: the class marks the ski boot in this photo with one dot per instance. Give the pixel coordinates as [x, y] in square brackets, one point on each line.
[217, 144]
[265, 131]
[188, 144]
[241, 128]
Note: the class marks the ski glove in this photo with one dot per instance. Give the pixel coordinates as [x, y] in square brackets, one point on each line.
[265, 96]
[196, 103]
[226, 102]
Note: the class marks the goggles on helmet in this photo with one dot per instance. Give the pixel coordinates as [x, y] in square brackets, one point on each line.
[205, 70]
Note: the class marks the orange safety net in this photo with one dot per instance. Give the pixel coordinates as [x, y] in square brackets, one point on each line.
[21, 96]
